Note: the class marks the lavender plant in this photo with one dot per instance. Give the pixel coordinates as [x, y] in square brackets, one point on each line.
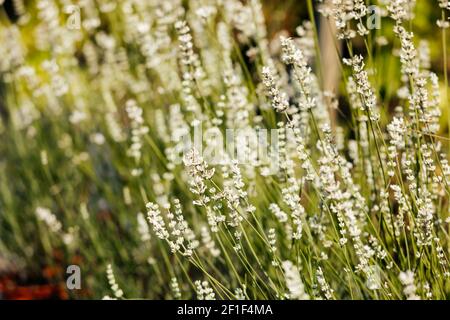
[176, 150]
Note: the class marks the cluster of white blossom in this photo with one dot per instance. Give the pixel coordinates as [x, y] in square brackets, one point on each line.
[45, 215]
[204, 291]
[118, 293]
[174, 286]
[278, 98]
[409, 289]
[293, 282]
[176, 231]
[363, 86]
[323, 284]
[138, 131]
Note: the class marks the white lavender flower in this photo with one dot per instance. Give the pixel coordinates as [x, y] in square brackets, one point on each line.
[278, 213]
[204, 291]
[156, 221]
[279, 99]
[118, 293]
[409, 288]
[138, 129]
[143, 228]
[52, 222]
[397, 131]
[292, 55]
[323, 284]
[208, 242]
[174, 286]
[294, 282]
[363, 86]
